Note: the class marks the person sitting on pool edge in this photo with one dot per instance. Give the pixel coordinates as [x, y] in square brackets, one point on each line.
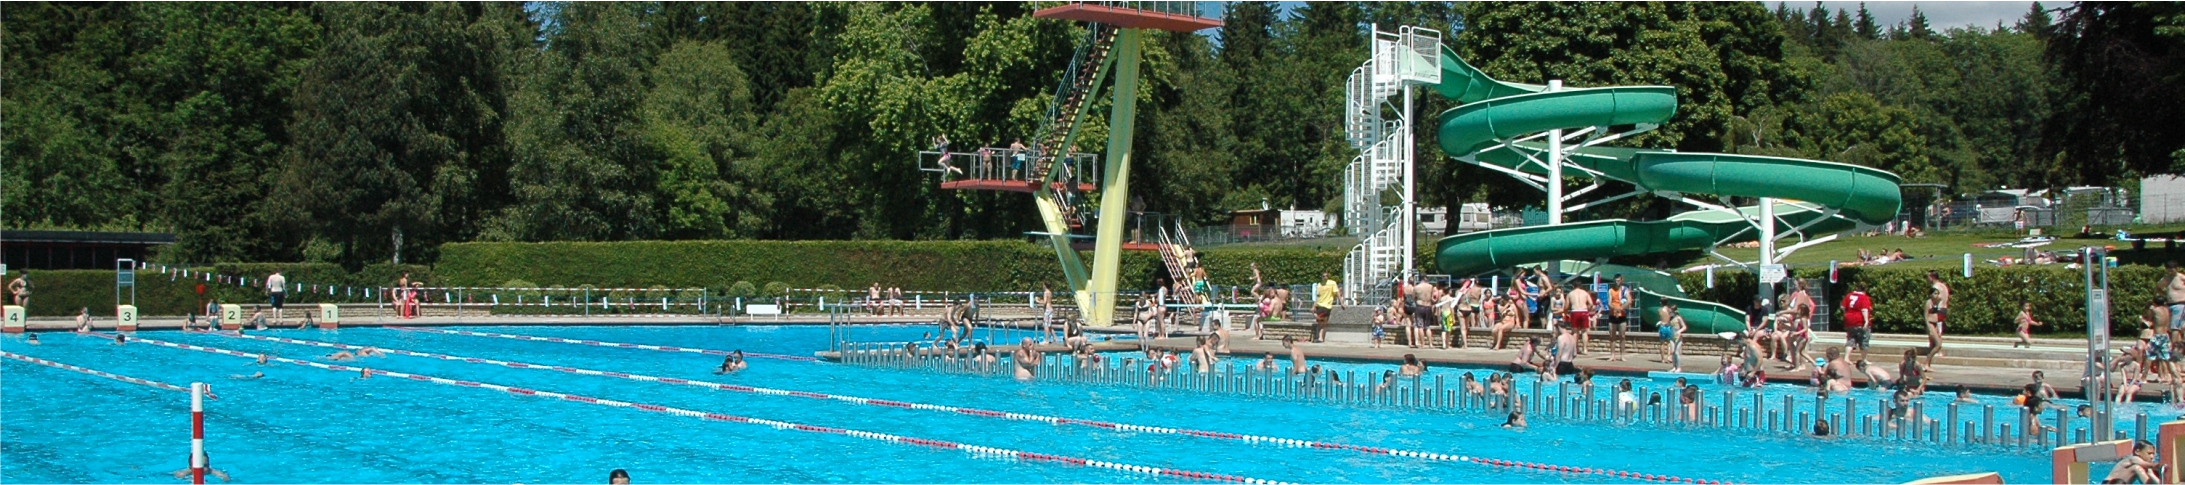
[2138, 468]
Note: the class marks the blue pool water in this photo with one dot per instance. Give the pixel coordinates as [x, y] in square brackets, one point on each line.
[305, 425]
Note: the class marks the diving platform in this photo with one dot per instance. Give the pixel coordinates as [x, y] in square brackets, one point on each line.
[1169, 16]
[1007, 170]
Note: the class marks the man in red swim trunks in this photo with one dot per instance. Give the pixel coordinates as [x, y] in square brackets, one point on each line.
[1578, 314]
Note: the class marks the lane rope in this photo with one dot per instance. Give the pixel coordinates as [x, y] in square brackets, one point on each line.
[596, 343]
[109, 375]
[784, 425]
[984, 413]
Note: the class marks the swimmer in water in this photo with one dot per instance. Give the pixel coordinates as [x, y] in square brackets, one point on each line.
[209, 470]
[371, 352]
[342, 355]
[120, 339]
[1516, 421]
[734, 362]
[1027, 360]
[33, 338]
[364, 373]
[618, 477]
[1297, 353]
[240, 377]
[261, 359]
[1266, 364]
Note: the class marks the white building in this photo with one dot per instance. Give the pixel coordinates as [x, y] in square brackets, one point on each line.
[1306, 223]
[2162, 199]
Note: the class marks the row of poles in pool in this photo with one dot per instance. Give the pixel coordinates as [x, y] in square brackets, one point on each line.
[1960, 423]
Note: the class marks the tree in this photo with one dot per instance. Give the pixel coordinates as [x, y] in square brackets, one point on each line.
[396, 129]
[1866, 27]
[1917, 26]
[582, 168]
[2125, 62]
[698, 115]
[2036, 22]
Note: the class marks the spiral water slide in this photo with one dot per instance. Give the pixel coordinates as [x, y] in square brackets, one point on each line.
[1492, 126]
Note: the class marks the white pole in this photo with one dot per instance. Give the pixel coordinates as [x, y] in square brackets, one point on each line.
[1767, 246]
[1555, 166]
[1411, 206]
[197, 432]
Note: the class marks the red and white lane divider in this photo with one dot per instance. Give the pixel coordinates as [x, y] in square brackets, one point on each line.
[596, 343]
[974, 449]
[1007, 415]
[109, 375]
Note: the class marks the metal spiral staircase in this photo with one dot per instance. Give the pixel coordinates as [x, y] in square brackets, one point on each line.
[1398, 61]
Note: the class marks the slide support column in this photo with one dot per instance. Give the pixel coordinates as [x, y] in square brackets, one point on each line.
[1767, 248]
[1555, 166]
[1097, 302]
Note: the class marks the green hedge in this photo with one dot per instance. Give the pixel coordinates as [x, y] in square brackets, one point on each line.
[62, 292]
[912, 265]
[1986, 303]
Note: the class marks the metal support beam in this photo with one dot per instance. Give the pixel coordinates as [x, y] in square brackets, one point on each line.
[1096, 303]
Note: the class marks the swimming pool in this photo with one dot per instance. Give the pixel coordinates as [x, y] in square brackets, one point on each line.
[305, 425]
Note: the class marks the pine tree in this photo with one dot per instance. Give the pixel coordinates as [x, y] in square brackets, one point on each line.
[1866, 27]
[1917, 25]
[2036, 22]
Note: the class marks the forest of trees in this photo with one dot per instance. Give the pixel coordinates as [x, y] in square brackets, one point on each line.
[355, 132]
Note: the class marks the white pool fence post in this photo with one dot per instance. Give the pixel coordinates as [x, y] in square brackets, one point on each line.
[197, 433]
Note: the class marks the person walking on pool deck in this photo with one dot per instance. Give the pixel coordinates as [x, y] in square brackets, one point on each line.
[2026, 324]
[1858, 315]
[1938, 309]
[277, 291]
[1323, 303]
[1619, 305]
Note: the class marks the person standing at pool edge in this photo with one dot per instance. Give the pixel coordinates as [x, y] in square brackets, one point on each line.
[1938, 309]
[21, 289]
[1619, 304]
[1323, 304]
[1858, 313]
[277, 291]
[2173, 289]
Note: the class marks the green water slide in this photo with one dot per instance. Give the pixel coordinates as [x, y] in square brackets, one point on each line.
[1819, 197]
